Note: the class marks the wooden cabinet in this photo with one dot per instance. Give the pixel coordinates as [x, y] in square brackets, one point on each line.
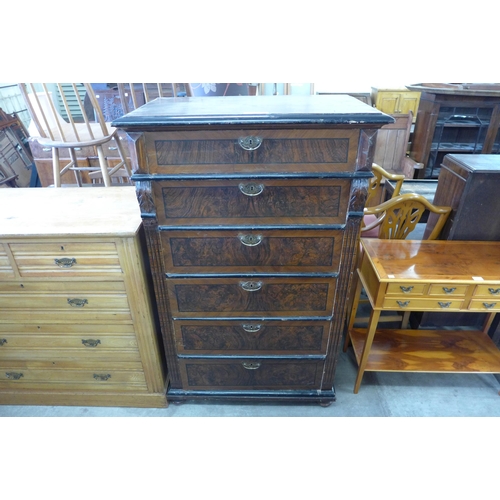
[454, 120]
[252, 209]
[426, 275]
[396, 101]
[76, 318]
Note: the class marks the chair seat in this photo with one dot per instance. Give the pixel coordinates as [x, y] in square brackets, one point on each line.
[367, 221]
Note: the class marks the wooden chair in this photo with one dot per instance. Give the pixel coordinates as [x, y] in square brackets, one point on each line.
[78, 130]
[376, 188]
[134, 95]
[392, 146]
[396, 219]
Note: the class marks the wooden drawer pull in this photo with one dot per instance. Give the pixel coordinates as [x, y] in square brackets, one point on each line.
[250, 142]
[490, 305]
[251, 189]
[250, 366]
[444, 305]
[406, 289]
[250, 240]
[403, 304]
[14, 375]
[3, 342]
[65, 262]
[91, 342]
[251, 286]
[494, 291]
[77, 302]
[448, 290]
[102, 377]
[251, 328]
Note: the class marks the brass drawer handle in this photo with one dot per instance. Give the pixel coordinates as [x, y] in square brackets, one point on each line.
[91, 342]
[406, 289]
[250, 366]
[250, 240]
[448, 290]
[77, 302]
[489, 305]
[251, 286]
[65, 262]
[444, 305]
[494, 291]
[3, 342]
[403, 304]
[14, 375]
[101, 376]
[251, 189]
[250, 142]
[251, 328]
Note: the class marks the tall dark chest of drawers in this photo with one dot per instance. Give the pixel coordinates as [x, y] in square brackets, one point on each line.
[252, 208]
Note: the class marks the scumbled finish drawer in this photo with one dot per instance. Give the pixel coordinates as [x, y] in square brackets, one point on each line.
[250, 373]
[252, 201]
[443, 304]
[191, 297]
[487, 291]
[223, 151]
[251, 337]
[231, 251]
[66, 259]
[485, 305]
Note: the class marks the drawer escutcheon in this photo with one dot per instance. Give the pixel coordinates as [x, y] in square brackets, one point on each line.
[448, 290]
[102, 377]
[406, 303]
[251, 189]
[444, 305]
[406, 289]
[250, 142]
[251, 366]
[250, 240]
[489, 305]
[14, 375]
[251, 286]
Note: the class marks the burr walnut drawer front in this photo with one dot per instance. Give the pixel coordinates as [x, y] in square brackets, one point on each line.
[255, 151]
[441, 304]
[249, 251]
[252, 201]
[251, 373]
[66, 259]
[251, 337]
[487, 291]
[191, 297]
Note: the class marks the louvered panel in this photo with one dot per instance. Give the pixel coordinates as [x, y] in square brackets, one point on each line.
[72, 100]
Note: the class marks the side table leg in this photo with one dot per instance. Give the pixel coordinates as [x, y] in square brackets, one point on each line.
[489, 320]
[370, 333]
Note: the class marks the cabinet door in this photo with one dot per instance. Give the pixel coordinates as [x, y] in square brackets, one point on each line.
[388, 102]
[409, 102]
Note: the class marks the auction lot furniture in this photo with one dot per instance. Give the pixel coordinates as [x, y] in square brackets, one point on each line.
[427, 275]
[76, 320]
[252, 208]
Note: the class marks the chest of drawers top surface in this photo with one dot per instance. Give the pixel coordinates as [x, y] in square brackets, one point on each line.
[424, 260]
[27, 212]
[252, 110]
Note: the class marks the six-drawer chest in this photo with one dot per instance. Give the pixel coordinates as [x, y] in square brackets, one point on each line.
[252, 209]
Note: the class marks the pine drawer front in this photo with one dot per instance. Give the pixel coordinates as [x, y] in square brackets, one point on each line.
[443, 304]
[251, 251]
[65, 379]
[66, 259]
[485, 305]
[6, 270]
[252, 201]
[447, 290]
[253, 151]
[406, 289]
[251, 373]
[270, 297]
[81, 343]
[251, 337]
[488, 291]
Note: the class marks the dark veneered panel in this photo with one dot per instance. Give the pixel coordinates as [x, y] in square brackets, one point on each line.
[287, 201]
[259, 374]
[251, 251]
[236, 296]
[251, 337]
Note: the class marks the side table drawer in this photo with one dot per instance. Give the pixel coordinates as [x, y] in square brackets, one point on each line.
[229, 297]
[251, 337]
[251, 251]
[251, 373]
[252, 201]
[447, 290]
[405, 303]
[253, 151]
[484, 305]
[489, 291]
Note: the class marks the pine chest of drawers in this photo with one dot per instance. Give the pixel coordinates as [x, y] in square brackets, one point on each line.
[252, 209]
[76, 316]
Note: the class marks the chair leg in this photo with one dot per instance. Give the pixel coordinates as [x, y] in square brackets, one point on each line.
[56, 167]
[104, 166]
[123, 155]
[78, 175]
